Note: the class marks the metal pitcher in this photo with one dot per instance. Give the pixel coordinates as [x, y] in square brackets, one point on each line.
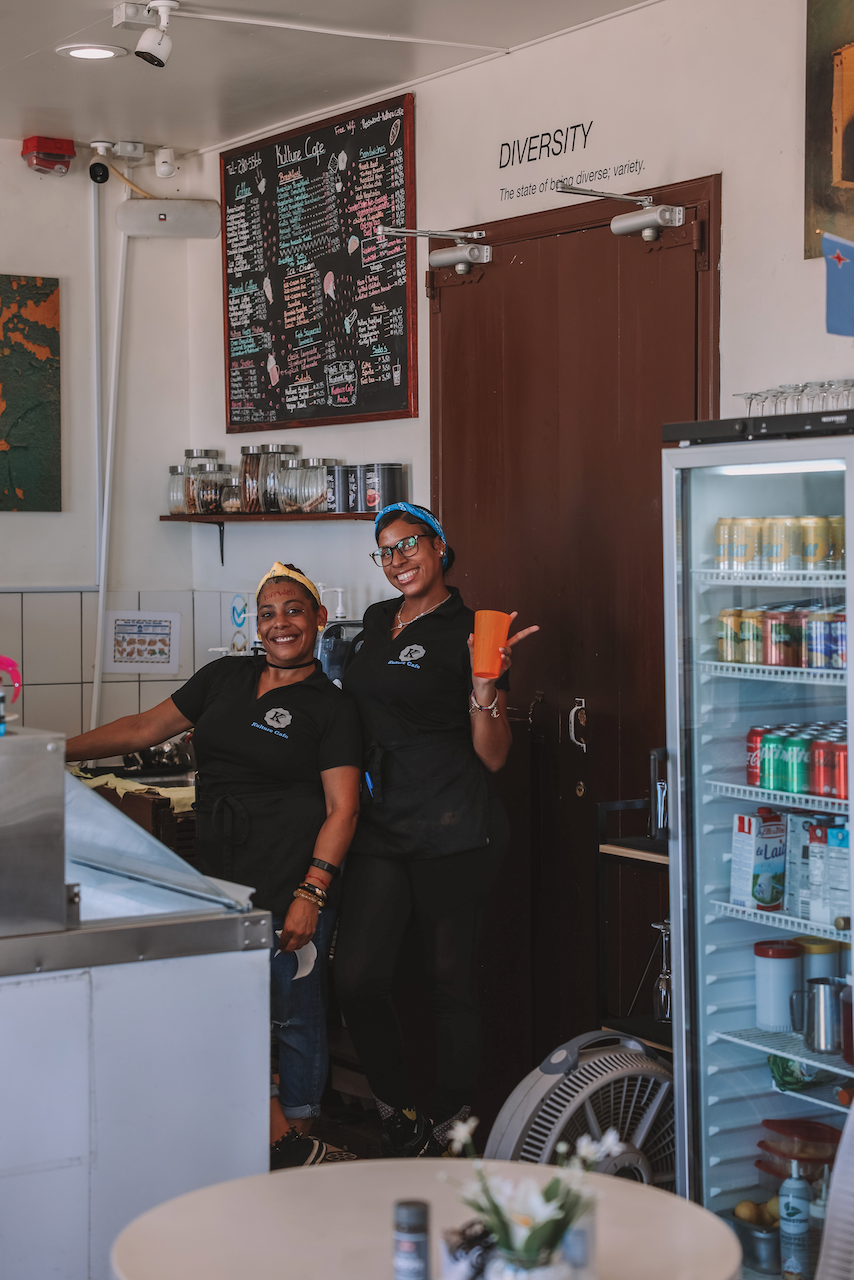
[817, 1016]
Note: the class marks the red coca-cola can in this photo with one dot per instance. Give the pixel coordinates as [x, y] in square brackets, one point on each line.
[754, 743]
[822, 767]
[840, 770]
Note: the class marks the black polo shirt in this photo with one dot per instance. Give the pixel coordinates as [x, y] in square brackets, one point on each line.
[292, 734]
[420, 682]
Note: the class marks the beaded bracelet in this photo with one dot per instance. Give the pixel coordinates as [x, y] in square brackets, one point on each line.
[474, 706]
[315, 891]
[308, 897]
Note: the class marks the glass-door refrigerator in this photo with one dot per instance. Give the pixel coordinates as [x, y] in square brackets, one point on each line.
[758, 782]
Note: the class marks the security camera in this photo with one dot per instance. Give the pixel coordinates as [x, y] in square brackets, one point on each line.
[648, 221]
[164, 162]
[99, 172]
[461, 257]
[154, 47]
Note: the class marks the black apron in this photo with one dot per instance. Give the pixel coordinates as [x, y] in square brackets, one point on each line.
[425, 797]
[261, 838]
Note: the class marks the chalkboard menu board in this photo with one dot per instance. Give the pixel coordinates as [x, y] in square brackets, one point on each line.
[319, 309]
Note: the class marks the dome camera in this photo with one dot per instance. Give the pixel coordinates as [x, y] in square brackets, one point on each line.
[99, 172]
[154, 47]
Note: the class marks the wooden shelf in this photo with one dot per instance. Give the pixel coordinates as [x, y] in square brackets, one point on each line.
[241, 517]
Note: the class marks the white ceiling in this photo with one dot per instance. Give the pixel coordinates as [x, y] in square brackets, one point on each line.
[225, 81]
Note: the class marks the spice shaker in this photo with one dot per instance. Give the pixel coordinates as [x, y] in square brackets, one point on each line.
[177, 500]
[411, 1240]
[250, 466]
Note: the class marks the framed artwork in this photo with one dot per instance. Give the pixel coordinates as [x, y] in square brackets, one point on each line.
[829, 141]
[30, 460]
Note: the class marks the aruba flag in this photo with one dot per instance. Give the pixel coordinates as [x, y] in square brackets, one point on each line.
[839, 258]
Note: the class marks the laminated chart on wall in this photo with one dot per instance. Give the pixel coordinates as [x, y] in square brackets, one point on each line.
[319, 307]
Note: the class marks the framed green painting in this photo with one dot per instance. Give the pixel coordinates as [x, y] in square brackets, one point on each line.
[30, 445]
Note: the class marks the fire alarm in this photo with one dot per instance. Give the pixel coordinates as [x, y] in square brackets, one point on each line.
[48, 155]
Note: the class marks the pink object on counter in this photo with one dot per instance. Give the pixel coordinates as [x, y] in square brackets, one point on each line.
[7, 664]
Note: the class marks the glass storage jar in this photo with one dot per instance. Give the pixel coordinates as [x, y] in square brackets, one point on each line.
[268, 473]
[229, 498]
[177, 502]
[290, 471]
[250, 465]
[210, 478]
[312, 485]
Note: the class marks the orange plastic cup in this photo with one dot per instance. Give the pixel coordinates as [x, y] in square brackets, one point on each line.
[490, 635]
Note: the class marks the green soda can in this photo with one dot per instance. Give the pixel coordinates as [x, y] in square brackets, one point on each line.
[772, 765]
[797, 756]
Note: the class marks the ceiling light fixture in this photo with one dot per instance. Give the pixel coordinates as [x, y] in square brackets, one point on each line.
[91, 52]
[154, 45]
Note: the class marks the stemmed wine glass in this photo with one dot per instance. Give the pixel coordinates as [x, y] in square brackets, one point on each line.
[662, 996]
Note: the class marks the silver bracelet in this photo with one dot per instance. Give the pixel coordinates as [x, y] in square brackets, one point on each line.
[474, 706]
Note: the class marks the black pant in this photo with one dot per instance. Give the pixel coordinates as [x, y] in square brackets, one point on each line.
[445, 897]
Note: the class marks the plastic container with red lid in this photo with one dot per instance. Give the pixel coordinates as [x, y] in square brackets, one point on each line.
[778, 964]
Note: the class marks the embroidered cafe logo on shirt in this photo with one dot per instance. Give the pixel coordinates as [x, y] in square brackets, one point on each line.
[276, 719]
[408, 657]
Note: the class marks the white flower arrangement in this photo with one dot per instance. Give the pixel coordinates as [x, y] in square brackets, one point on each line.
[527, 1221]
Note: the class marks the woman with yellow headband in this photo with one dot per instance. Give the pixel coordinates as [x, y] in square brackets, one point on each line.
[278, 749]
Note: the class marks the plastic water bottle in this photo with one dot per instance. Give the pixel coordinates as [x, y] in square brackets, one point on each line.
[795, 1199]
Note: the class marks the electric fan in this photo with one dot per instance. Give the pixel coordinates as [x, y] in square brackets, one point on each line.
[588, 1085]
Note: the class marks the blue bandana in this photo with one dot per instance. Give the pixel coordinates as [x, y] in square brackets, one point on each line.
[422, 514]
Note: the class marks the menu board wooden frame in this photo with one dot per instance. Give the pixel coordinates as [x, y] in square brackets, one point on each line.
[302, 146]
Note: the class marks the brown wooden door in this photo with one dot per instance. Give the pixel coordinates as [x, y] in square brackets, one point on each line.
[552, 370]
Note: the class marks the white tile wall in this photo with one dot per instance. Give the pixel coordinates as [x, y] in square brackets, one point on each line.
[52, 637]
[153, 691]
[11, 645]
[55, 707]
[236, 620]
[116, 700]
[173, 602]
[115, 600]
[207, 626]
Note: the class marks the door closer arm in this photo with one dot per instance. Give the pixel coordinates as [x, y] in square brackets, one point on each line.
[462, 257]
[648, 220]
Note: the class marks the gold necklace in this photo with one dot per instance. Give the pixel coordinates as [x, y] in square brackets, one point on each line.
[399, 624]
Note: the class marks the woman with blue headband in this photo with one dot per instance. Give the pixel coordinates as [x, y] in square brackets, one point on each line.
[432, 832]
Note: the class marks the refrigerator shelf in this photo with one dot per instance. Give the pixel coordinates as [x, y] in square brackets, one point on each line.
[780, 799]
[787, 1045]
[822, 1095]
[764, 578]
[781, 920]
[786, 675]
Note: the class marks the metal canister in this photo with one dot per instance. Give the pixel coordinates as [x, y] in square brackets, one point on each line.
[341, 488]
[378, 484]
[772, 770]
[746, 545]
[836, 542]
[781, 543]
[777, 646]
[729, 629]
[797, 755]
[840, 769]
[750, 635]
[754, 748]
[816, 535]
[839, 641]
[820, 639]
[723, 543]
[822, 765]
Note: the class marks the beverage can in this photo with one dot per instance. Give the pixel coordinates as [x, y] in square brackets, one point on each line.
[723, 543]
[750, 635]
[836, 542]
[746, 545]
[772, 772]
[819, 639]
[838, 641]
[815, 531]
[800, 637]
[754, 746]
[839, 752]
[729, 643]
[822, 767]
[778, 649]
[796, 751]
[781, 543]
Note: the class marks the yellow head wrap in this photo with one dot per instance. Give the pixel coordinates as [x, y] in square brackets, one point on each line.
[280, 570]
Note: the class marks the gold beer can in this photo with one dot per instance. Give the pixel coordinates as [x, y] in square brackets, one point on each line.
[746, 544]
[729, 635]
[815, 531]
[723, 543]
[836, 542]
[782, 538]
[750, 635]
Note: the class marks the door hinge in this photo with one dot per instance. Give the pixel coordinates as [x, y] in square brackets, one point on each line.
[693, 234]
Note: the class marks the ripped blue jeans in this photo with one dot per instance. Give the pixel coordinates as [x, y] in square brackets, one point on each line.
[298, 1017]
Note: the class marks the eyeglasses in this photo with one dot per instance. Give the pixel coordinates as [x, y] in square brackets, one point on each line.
[407, 547]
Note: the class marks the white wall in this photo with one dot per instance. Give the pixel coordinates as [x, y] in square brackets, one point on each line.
[688, 88]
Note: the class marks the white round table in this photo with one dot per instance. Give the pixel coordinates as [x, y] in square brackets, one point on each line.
[334, 1222]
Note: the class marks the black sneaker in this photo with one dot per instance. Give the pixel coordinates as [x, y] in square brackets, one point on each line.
[406, 1134]
[296, 1150]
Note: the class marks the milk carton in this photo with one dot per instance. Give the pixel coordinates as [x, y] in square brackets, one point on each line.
[797, 890]
[758, 870]
[830, 876]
